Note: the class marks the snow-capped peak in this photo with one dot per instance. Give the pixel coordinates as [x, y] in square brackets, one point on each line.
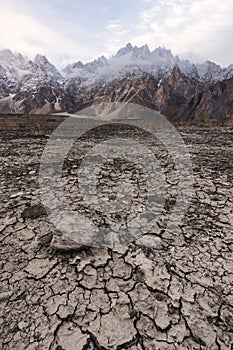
[158, 63]
[40, 59]
[44, 69]
[6, 54]
[130, 61]
[9, 59]
[142, 52]
[124, 50]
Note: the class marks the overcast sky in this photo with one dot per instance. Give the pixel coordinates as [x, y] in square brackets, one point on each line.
[69, 30]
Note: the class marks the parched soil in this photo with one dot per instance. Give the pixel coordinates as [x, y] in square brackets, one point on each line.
[167, 290]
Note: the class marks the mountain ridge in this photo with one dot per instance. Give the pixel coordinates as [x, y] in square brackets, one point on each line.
[158, 79]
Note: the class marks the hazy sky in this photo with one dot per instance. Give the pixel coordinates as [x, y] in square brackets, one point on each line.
[68, 30]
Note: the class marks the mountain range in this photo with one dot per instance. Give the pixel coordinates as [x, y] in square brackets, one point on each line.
[178, 88]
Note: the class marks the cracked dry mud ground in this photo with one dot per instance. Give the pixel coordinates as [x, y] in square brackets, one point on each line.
[176, 294]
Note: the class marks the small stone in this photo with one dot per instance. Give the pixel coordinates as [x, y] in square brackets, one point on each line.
[34, 212]
[22, 325]
[15, 195]
[150, 241]
[65, 244]
[45, 240]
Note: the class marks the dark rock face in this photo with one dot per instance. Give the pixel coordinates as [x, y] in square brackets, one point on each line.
[46, 100]
[218, 99]
[176, 96]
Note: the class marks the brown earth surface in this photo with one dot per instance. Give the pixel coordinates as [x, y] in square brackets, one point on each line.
[171, 290]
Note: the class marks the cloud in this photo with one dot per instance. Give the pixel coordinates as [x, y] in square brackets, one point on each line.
[48, 30]
[202, 27]
[73, 30]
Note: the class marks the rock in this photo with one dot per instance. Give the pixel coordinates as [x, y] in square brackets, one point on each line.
[45, 240]
[150, 241]
[34, 212]
[65, 244]
[22, 325]
[15, 195]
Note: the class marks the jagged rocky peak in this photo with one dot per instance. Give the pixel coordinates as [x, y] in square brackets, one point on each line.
[162, 53]
[44, 68]
[209, 71]
[72, 69]
[142, 52]
[97, 63]
[175, 86]
[75, 65]
[9, 59]
[6, 54]
[41, 59]
[124, 50]
[102, 60]
[158, 62]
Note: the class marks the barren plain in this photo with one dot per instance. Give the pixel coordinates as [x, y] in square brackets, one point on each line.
[173, 293]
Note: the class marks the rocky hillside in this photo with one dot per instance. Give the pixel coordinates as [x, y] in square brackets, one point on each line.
[157, 79]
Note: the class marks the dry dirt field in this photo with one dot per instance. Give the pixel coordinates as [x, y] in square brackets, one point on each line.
[174, 294]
